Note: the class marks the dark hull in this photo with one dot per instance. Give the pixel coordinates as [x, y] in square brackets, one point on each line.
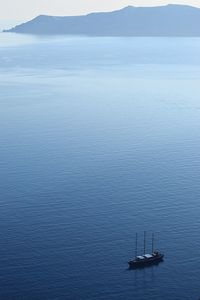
[133, 264]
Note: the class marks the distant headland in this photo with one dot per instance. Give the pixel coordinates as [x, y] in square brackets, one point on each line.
[169, 20]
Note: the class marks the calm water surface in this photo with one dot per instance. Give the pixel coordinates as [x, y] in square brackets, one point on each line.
[100, 138]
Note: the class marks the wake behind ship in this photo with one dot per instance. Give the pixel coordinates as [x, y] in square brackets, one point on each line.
[146, 259]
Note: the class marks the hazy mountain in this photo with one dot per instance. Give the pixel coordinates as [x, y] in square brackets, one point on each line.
[170, 20]
[8, 23]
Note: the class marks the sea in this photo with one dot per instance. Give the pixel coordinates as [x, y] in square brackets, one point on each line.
[99, 140]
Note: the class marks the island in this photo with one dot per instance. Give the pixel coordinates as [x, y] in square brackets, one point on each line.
[169, 20]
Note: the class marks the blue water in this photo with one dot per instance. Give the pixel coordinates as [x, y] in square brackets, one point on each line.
[100, 139]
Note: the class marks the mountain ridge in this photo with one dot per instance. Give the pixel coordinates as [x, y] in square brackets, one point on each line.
[168, 20]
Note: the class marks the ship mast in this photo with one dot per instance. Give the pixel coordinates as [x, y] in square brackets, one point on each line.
[136, 245]
[144, 242]
[152, 242]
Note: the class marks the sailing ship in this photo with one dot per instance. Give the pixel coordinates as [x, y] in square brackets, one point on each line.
[146, 259]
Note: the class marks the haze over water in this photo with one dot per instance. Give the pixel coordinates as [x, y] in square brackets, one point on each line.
[100, 139]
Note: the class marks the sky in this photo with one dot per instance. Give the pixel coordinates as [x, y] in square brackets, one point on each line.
[28, 9]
